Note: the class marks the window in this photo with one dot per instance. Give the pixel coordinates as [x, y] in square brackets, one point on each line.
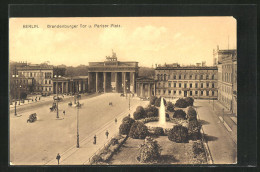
[174, 85]
[30, 74]
[201, 76]
[158, 77]
[212, 93]
[207, 93]
[196, 85]
[179, 85]
[49, 88]
[164, 77]
[207, 85]
[163, 84]
[47, 74]
[179, 92]
[185, 85]
[207, 76]
[196, 92]
[213, 85]
[190, 85]
[164, 91]
[45, 81]
[174, 92]
[169, 84]
[174, 77]
[169, 92]
[190, 93]
[184, 76]
[201, 93]
[159, 84]
[213, 76]
[201, 85]
[179, 76]
[49, 81]
[190, 76]
[195, 76]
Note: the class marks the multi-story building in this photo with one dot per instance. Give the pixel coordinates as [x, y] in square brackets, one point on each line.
[42, 76]
[227, 78]
[173, 80]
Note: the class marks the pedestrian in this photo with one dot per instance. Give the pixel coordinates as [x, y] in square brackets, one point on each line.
[129, 115]
[32, 99]
[107, 133]
[95, 140]
[39, 98]
[64, 112]
[58, 158]
[115, 120]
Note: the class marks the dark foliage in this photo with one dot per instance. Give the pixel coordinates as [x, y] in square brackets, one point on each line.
[189, 101]
[192, 114]
[23, 95]
[194, 130]
[126, 125]
[158, 102]
[151, 111]
[152, 100]
[138, 130]
[179, 114]
[170, 107]
[178, 134]
[197, 148]
[181, 103]
[139, 113]
[158, 131]
[150, 151]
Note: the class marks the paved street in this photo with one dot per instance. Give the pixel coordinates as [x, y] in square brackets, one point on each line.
[38, 143]
[222, 147]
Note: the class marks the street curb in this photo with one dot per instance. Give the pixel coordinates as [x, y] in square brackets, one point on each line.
[206, 147]
[225, 124]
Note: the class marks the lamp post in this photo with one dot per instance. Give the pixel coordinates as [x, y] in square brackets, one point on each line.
[129, 97]
[57, 90]
[15, 76]
[20, 93]
[77, 122]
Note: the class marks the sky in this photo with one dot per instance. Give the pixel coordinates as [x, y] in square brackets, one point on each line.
[147, 40]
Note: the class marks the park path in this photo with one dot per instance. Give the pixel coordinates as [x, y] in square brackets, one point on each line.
[82, 155]
[222, 147]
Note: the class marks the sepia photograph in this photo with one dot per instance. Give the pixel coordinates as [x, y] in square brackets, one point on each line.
[122, 90]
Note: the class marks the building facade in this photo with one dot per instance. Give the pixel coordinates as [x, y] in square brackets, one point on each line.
[112, 75]
[187, 81]
[41, 75]
[70, 85]
[145, 87]
[227, 78]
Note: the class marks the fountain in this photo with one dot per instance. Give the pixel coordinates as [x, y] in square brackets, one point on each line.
[162, 118]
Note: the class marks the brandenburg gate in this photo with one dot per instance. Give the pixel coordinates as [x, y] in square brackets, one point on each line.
[112, 76]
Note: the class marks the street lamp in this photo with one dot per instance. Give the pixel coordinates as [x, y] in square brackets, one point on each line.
[57, 89]
[20, 94]
[77, 123]
[15, 76]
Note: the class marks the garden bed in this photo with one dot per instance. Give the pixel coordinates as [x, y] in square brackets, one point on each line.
[172, 153]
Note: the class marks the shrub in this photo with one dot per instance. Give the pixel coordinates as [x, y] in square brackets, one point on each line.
[158, 102]
[23, 95]
[197, 148]
[158, 131]
[192, 114]
[170, 107]
[95, 159]
[126, 125]
[179, 114]
[152, 100]
[138, 130]
[113, 141]
[139, 113]
[178, 134]
[181, 103]
[194, 130]
[151, 119]
[167, 115]
[189, 101]
[151, 111]
[150, 151]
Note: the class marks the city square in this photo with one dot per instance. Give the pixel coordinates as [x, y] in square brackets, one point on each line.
[119, 109]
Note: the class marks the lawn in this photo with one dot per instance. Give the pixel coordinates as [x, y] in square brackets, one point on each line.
[172, 153]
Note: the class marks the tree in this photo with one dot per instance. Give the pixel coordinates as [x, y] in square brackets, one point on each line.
[189, 101]
[192, 114]
[179, 114]
[138, 130]
[158, 102]
[181, 103]
[152, 100]
[170, 107]
[126, 125]
[178, 134]
[194, 130]
[151, 111]
[150, 151]
[139, 113]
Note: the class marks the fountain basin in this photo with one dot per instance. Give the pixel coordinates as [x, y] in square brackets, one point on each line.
[166, 125]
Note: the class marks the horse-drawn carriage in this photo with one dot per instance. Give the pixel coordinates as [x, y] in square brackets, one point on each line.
[54, 107]
[32, 118]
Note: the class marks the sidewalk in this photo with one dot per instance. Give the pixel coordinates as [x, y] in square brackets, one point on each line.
[81, 155]
[230, 120]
